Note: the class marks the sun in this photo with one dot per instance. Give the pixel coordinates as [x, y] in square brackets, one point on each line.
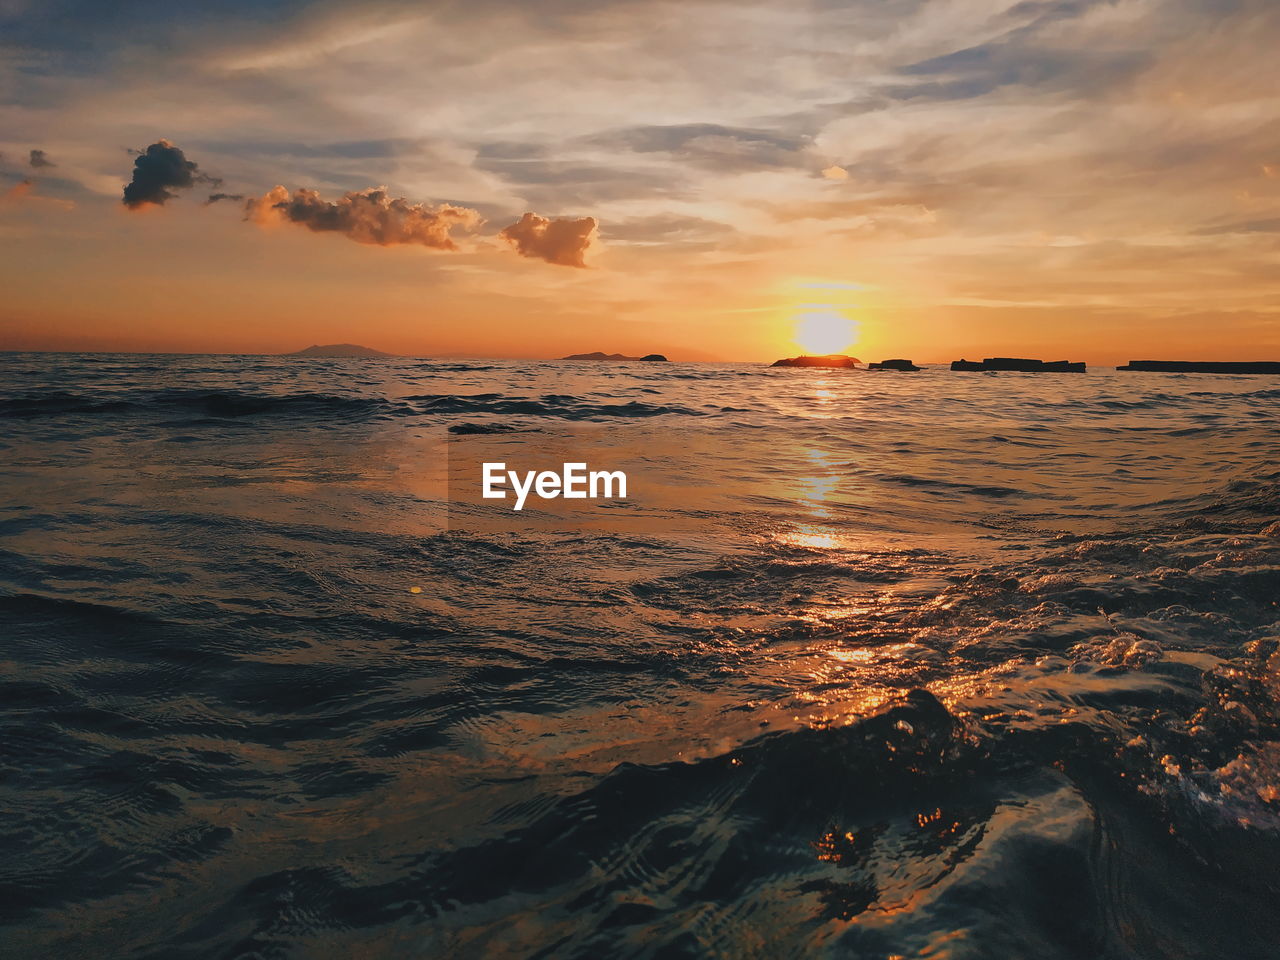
[825, 332]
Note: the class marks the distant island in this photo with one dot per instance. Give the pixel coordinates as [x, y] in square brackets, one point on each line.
[339, 350]
[829, 360]
[905, 366]
[650, 358]
[1019, 365]
[1203, 366]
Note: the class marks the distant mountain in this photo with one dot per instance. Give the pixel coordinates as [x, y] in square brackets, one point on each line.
[339, 350]
[613, 356]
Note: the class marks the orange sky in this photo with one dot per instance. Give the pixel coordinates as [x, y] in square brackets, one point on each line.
[1087, 181]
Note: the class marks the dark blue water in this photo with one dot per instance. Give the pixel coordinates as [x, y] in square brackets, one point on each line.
[868, 665]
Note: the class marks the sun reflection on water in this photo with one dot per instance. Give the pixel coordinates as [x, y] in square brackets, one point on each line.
[818, 486]
[811, 538]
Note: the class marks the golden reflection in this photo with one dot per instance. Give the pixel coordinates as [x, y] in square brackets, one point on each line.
[852, 707]
[852, 656]
[811, 537]
[924, 819]
[823, 403]
[867, 655]
[821, 482]
[836, 847]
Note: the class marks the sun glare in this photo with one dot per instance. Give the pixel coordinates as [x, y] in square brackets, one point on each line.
[826, 332]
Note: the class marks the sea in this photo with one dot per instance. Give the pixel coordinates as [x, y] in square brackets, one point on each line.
[865, 664]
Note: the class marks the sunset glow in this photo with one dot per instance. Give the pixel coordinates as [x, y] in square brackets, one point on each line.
[441, 181]
[636, 479]
[825, 332]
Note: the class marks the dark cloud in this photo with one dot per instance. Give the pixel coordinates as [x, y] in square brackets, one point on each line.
[38, 158]
[365, 216]
[157, 170]
[563, 241]
[215, 197]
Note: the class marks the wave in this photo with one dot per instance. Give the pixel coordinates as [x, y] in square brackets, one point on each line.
[229, 404]
[55, 404]
[978, 490]
[485, 429]
[1027, 842]
[551, 405]
[219, 404]
[949, 714]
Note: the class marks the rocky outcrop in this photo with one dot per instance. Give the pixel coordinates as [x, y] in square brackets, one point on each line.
[830, 360]
[654, 358]
[1019, 365]
[1202, 366]
[905, 365]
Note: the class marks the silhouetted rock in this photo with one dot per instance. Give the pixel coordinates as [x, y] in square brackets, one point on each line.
[612, 357]
[1019, 365]
[906, 365]
[654, 358]
[1203, 366]
[830, 360]
[339, 350]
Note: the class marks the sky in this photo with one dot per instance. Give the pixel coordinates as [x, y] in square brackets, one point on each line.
[1064, 179]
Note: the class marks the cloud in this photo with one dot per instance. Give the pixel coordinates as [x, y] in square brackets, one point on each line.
[17, 191]
[1009, 119]
[1017, 60]
[713, 146]
[835, 172]
[1270, 225]
[668, 230]
[23, 193]
[39, 159]
[562, 241]
[158, 169]
[365, 216]
[215, 197]
[540, 180]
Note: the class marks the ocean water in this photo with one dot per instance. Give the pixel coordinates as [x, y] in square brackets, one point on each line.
[866, 665]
